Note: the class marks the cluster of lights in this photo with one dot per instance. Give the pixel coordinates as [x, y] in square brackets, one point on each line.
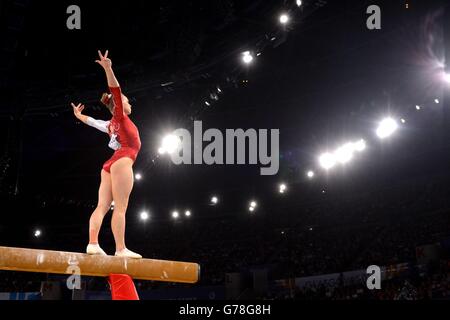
[284, 18]
[252, 206]
[247, 57]
[170, 144]
[176, 214]
[341, 155]
[37, 233]
[387, 127]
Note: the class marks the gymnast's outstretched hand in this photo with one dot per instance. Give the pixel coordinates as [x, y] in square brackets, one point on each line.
[77, 109]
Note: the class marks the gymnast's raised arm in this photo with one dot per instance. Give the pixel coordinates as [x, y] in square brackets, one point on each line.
[106, 64]
[113, 85]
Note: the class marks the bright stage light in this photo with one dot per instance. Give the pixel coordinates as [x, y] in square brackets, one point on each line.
[310, 174]
[299, 3]
[327, 161]
[345, 153]
[175, 215]
[214, 200]
[138, 176]
[359, 146]
[187, 213]
[403, 120]
[144, 216]
[170, 144]
[37, 233]
[251, 209]
[446, 77]
[284, 18]
[282, 188]
[253, 204]
[386, 128]
[436, 101]
[247, 57]
[418, 107]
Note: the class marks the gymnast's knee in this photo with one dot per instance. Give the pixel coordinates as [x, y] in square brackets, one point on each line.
[119, 211]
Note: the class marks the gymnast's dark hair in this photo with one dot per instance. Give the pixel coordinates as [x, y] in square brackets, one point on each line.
[108, 102]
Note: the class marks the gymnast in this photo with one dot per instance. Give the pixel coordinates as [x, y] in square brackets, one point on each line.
[117, 173]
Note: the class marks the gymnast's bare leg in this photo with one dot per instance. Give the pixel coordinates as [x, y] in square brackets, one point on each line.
[104, 204]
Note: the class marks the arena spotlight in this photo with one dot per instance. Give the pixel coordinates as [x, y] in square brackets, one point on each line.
[386, 128]
[446, 77]
[251, 209]
[144, 216]
[247, 57]
[187, 213]
[175, 215]
[344, 154]
[219, 90]
[138, 176]
[299, 3]
[170, 144]
[436, 101]
[284, 18]
[37, 233]
[403, 120]
[418, 107]
[327, 161]
[282, 188]
[207, 103]
[359, 145]
[310, 174]
[214, 200]
[253, 204]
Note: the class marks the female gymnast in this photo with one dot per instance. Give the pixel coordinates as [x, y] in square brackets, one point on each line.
[117, 173]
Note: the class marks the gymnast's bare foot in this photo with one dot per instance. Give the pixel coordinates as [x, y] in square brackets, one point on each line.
[94, 249]
[128, 254]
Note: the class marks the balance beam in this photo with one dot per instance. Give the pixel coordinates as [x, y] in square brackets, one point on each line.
[45, 261]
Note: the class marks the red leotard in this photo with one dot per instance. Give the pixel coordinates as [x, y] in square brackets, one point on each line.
[126, 131]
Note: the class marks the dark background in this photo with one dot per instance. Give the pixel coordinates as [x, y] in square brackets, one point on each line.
[325, 79]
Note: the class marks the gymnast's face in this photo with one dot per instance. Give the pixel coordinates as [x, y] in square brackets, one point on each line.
[126, 105]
